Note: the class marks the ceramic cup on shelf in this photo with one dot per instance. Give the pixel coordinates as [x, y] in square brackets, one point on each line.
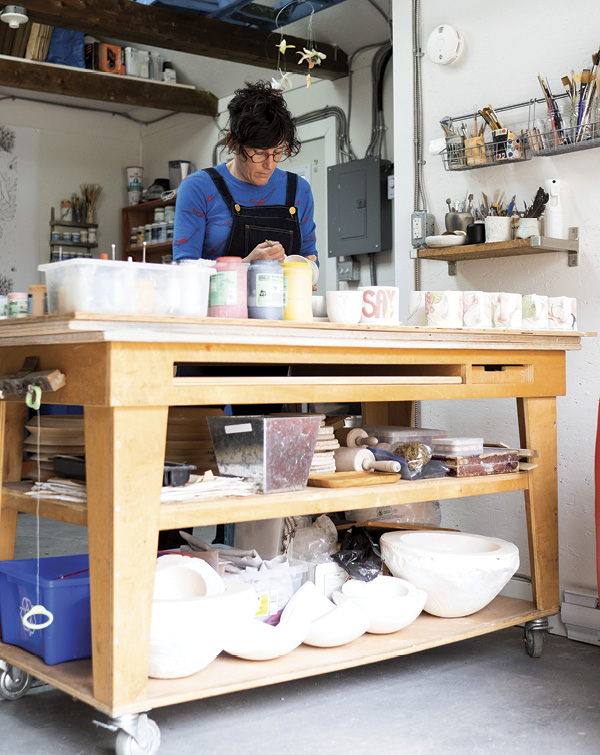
[498, 228]
[477, 309]
[444, 309]
[506, 310]
[535, 312]
[528, 227]
[476, 233]
[417, 316]
[344, 307]
[562, 313]
[457, 221]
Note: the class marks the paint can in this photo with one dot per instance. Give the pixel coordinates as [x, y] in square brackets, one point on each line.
[297, 292]
[229, 289]
[265, 290]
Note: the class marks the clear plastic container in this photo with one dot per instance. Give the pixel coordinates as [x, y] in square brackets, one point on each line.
[115, 287]
[393, 434]
[458, 446]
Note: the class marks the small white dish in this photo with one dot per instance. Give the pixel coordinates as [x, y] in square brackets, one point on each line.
[449, 240]
[389, 603]
[179, 577]
[254, 640]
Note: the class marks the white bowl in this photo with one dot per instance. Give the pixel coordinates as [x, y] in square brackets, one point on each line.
[461, 573]
[389, 603]
[339, 626]
[449, 240]
[184, 577]
[187, 634]
[254, 640]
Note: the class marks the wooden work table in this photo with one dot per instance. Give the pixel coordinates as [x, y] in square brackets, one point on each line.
[122, 370]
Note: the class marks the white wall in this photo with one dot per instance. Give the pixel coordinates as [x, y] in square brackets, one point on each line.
[500, 66]
[76, 147]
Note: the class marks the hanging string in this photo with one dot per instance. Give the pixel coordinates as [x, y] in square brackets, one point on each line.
[309, 54]
[33, 401]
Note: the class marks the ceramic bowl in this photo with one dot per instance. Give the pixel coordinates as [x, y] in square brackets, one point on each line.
[461, 573]
[183, 577]
[389, 603]
[187, 634]
[340, 625]
[254, 640]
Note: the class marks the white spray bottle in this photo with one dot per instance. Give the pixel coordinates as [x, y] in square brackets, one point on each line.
[553, 217]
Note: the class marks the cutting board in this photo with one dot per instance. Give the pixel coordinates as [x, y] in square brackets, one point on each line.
[351, 479]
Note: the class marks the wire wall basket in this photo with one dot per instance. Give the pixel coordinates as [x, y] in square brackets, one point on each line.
[547, 140]
[464, 153]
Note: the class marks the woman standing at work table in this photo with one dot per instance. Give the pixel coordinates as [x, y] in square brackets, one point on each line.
[248, 207]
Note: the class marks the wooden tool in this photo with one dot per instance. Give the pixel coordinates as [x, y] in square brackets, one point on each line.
[350, 479]
[361, 459]
[353, 437]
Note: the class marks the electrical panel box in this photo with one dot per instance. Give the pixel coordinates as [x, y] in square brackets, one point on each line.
[359, 211]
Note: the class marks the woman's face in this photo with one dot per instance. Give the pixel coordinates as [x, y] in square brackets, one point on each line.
[256, 166]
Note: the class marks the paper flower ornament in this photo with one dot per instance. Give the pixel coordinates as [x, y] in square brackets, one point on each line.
[284, 83]
[312, 57]
[283, 46]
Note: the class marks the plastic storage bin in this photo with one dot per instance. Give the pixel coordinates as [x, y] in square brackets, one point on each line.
[69, 636]
[127, 288]
[394, 434]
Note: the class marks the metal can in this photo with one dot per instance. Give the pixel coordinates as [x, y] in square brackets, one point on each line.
[18, 304]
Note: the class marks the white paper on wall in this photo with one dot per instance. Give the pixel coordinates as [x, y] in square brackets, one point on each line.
[19, 205]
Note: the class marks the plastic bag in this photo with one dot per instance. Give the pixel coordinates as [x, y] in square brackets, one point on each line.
[67, 48]
[316, 542]
[359, 555]
[427, 513]
[416, 454]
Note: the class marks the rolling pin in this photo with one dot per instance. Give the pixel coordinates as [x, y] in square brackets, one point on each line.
[353, 437]
[362, 460]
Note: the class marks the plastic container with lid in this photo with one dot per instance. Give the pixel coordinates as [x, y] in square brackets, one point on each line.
[458, 446]
[229, 289]
[265, 290]
[297, 292]
[394, 434]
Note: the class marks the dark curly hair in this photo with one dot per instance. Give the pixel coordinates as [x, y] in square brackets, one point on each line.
[259, 118]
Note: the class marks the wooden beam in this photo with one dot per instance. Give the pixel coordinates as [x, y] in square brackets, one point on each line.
[109, 87]
[185, 32]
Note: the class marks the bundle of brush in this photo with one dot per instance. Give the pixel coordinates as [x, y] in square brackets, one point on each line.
[560, 134]
[90, 194]
[536, 208]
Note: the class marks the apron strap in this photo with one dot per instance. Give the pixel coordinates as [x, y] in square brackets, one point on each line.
[290, 195]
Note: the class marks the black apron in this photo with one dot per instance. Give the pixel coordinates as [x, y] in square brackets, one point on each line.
[254, 225]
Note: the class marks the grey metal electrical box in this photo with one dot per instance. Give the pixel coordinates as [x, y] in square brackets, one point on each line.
[358, 208]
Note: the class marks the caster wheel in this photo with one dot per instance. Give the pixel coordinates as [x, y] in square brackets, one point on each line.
[147, 743]
[14, 683]
[534, 642]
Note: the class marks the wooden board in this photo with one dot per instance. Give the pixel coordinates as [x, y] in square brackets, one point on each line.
[351, 479]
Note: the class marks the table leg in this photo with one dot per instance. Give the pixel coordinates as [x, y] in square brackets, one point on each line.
[125, 450]
[12, 432]
[537, 430]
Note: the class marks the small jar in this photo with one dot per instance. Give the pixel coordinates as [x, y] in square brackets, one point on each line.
[148, 233]
[37, 299]
[84, 235]
[154, 233]
[297, 291]
[55, 236]
[159, 214]
[162, 232]
[170, 213]
[18, 304]
[139, 236]
[170, 229]
[66, 237]
[229, 289]
[92, 235]
[76, 237]
[133, 236]
[265, 290]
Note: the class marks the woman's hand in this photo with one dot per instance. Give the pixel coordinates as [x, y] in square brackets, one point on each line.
[268, 250]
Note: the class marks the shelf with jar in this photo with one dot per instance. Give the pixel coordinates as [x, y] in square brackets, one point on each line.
[75, 235]
[152, 223]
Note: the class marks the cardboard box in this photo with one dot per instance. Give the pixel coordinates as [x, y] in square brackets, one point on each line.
[102, 57]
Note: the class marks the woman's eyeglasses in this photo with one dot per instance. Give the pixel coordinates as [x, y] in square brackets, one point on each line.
[258, 156]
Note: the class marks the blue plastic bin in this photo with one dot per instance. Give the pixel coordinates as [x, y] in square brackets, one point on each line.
[69, 636]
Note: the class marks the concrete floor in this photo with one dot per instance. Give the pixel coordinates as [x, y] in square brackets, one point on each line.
[480, 696]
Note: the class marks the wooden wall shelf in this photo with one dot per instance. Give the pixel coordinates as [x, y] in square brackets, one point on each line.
[108, 87]
[516, 248]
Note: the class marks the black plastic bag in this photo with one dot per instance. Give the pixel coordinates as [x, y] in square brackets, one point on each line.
[359, 555]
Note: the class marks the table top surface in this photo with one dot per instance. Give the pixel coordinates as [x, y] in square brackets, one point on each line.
[80, 327]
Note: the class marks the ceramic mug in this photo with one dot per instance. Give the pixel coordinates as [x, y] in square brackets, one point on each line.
[506, 310]
[416, 309]
[477, 309]
[535, 312]
[498, 228]
[444, 309]
[562, 313]
[344, 307]
[380, 305]
[528, 227]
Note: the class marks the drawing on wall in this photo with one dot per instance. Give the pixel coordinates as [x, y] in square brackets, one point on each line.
[18, 206]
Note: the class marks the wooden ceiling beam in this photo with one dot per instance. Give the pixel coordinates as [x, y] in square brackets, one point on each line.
[108, 87]
[185, 32]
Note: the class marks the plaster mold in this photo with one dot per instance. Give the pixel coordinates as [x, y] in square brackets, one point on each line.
[461, 573]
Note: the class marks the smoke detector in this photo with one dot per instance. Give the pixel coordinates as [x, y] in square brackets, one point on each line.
[444, 45]
[14, 16]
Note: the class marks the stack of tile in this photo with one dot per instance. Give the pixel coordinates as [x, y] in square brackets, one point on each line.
[188, 437]
[323, 461]
[49, 436]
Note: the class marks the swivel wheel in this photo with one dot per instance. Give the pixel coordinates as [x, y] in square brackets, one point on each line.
[533, 637]
[14, 683]
[141, 739]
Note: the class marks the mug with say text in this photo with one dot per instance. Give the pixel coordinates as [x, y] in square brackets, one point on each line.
[380, 305]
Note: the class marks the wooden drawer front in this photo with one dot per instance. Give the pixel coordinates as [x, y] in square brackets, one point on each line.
[501, 373]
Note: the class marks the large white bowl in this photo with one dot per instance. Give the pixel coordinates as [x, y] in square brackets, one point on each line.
[254, 640]
[389, 603]
[178, 577]
[461, 573]
[187, 634]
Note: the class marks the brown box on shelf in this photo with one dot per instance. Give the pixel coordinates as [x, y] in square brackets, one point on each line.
[491, 461]
[102, 57]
